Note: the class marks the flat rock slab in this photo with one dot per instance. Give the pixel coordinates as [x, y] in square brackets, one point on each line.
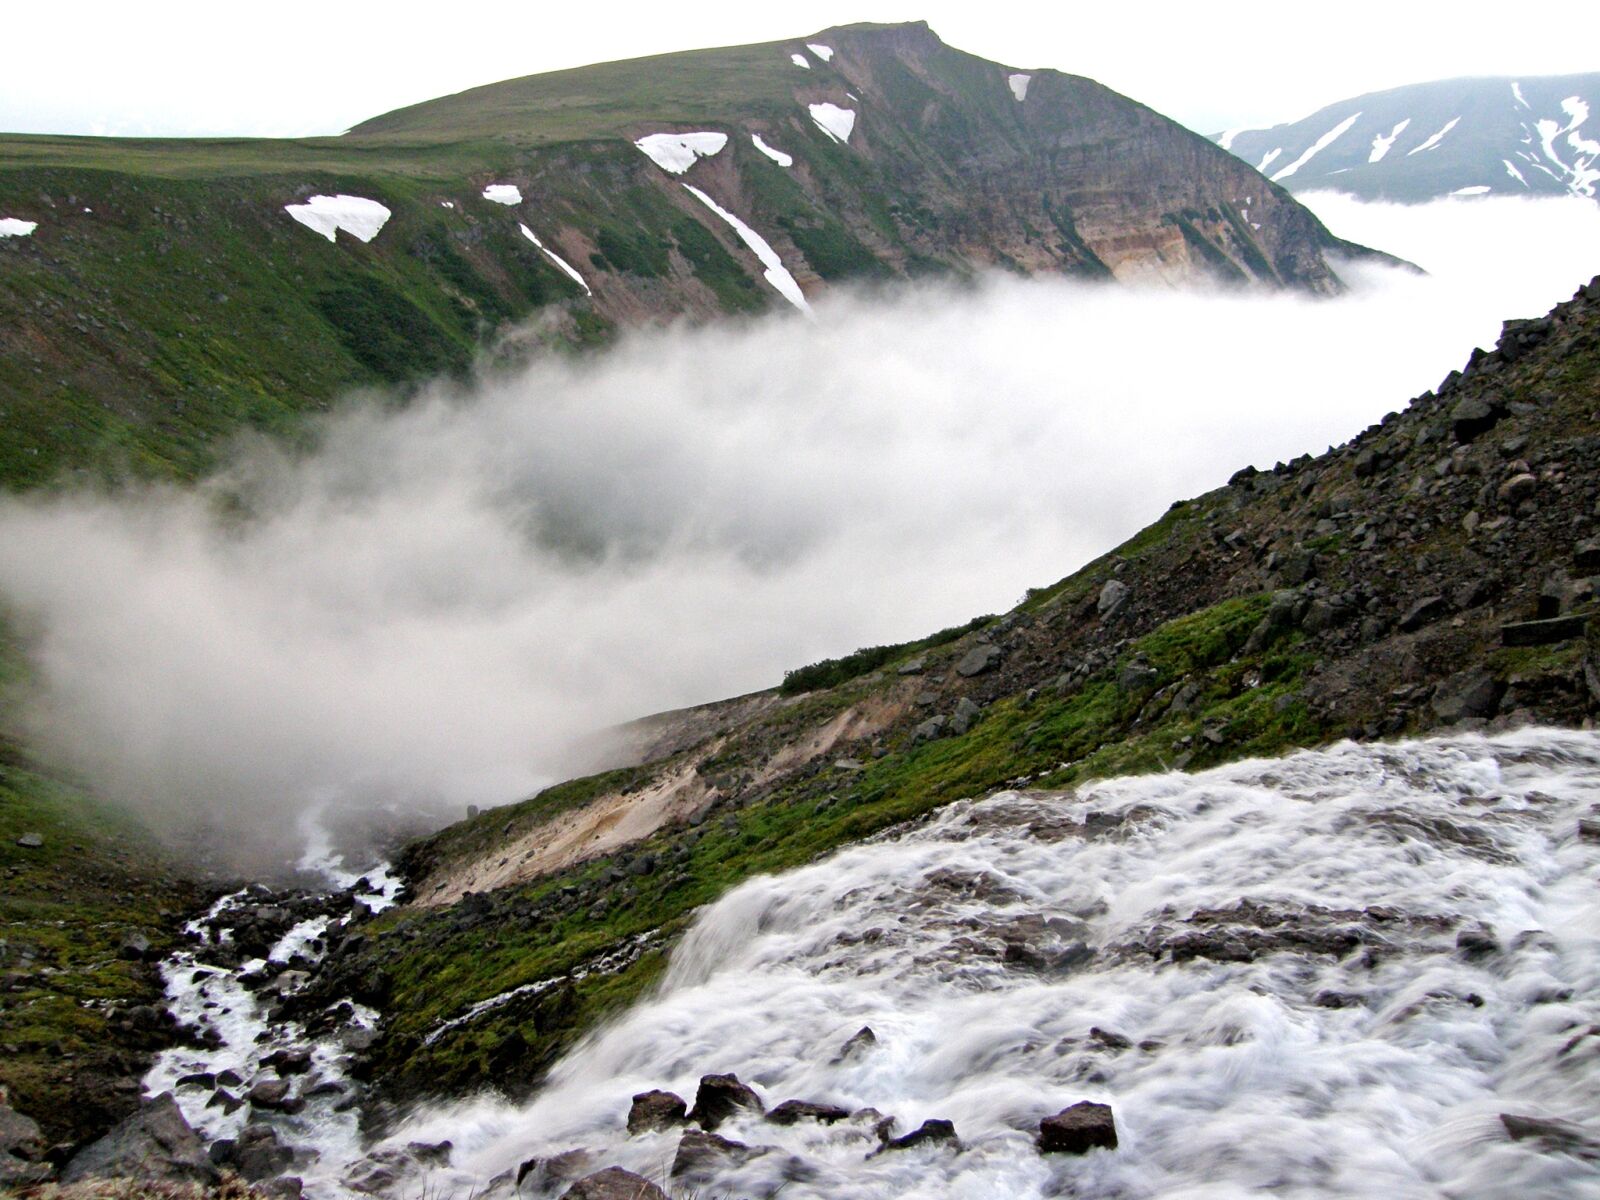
[1542, 633]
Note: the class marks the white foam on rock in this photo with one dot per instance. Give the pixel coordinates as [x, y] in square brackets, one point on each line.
[1318, 146]
[776, 273]
[555, 258]
[677, 152]
[800, 60]
[838, 123]
[1381, 145]
[1436, 138]
[1019, 87]
[825, 53]
[16, 227]
[356, 215]
[503, 193]
[772, 152]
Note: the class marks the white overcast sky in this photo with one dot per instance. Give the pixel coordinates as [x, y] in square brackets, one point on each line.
[186, 68]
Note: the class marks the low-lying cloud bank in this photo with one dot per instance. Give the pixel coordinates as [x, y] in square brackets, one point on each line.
[429, 610]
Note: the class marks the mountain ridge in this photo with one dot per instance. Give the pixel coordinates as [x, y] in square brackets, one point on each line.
[170, 293]
[1473, 135]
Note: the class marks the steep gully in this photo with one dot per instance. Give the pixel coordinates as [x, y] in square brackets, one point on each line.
[1366, 970]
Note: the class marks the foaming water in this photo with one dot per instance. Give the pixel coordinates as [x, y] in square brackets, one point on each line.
[1325, 975]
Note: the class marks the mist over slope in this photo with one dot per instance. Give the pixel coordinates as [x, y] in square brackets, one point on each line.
[429, 609]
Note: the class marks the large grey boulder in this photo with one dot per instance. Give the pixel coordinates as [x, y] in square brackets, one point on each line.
[1112, 597]
[21, 1148]
[985, 656]
[154, 1144]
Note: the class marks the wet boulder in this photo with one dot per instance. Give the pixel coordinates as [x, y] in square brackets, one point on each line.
[701, 1154]
[721, 1097]
[856, 1045]
[656, 1110]
[1078, 1129]
[155, 1143]
[614, 1184]
[932, 1132]
[791, 1112]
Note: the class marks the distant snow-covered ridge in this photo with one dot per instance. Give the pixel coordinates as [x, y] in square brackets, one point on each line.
[1455, 137]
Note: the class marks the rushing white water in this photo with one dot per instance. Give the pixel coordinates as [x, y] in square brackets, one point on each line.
[206, 993]
[1329, 1038]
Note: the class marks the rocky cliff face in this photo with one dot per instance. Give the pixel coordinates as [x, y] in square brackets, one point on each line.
[161, 294]
[1437, 571]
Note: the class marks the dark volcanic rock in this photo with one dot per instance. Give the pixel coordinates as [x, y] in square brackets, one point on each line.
[721, 1097]
[614, 1184]
[656, 1110]
[1470, 693]
[1542, 633]
[1078, 1129]
[155, 1143]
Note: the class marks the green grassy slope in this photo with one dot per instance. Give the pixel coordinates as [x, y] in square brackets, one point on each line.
[72, 1030]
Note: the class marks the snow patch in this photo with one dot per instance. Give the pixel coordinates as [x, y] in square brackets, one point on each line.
[560, 262]
[1436, 138]
[503, 193]
[1477, 189]
[447, 204]
[776, 155]
[1516, 90]
[1270, 158]
[800, 60]
[1318, 146]
[1513, 172]
[1226, 138]
[836, 122]
[677, 152]
[16, 227]
[359, 217]
[825, 53]
[776, 273]
[1019, 87]
[1381, 145]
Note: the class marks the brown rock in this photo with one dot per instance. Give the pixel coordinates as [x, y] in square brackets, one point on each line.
[614, 1184]
[1078, 1129]
[656, 1110]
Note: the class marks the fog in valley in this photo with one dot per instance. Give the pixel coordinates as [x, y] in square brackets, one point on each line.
[429, 610]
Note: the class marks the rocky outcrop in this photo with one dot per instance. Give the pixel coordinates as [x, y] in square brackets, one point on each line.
[154, 1144]
[722, 1097]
